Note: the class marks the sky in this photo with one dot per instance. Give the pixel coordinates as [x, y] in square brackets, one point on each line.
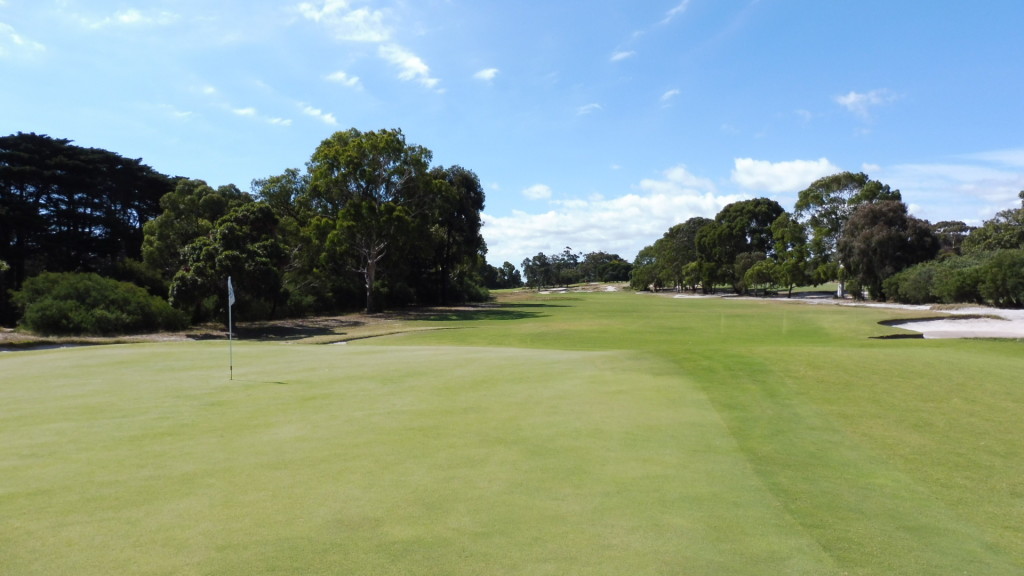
[592, 125]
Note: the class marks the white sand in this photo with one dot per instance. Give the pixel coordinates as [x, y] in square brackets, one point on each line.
[1009, 324]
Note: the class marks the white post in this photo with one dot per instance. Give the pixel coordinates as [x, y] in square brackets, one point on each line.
[231, 352]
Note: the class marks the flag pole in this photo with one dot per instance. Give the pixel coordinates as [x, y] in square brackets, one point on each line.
[231, 352]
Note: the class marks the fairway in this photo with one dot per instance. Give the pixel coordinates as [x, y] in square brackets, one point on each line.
[607, 433]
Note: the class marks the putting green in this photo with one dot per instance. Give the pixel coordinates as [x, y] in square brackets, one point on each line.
[603, 434]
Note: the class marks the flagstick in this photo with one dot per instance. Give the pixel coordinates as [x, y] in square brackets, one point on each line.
[231, 352]
[231, 329]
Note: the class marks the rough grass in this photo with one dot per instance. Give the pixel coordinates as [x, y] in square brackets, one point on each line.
[566, 434]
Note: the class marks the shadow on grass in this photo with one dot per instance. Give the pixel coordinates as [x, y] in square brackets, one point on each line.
[491, 312]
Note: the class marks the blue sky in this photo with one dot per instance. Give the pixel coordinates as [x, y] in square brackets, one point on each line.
[595, 125]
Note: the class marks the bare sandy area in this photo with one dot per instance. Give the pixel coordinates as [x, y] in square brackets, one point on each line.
[995, 323]
[960, 322]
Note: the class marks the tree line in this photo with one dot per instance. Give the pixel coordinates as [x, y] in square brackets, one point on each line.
[368, 223]
[847, 228]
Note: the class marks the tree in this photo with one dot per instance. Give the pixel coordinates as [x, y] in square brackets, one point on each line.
[244, 245]
[455, 202]
[739, 228]
[538, 271]
[880, 239]
[68, 208]
[370, 185]
[791, 253]
[507, 276]
[824, 208]
[565, 267]
[189, 212]
[951, 235]
[1004, 231]
[604, 267]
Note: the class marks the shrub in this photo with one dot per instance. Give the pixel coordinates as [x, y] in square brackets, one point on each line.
[958, 279]
[74, 304]
[912, 285]
[1002, 280]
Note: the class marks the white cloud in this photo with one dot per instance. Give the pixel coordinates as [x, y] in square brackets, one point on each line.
[344, 79]
[280, 121]
[764, 176]
[251, 112]
[537, 192]
[971, 192]
[862, 103]
[621, 225]
[679, 9]
[589, 108]
[133, 17]
[14, 44]
[410, 66]
[1013, 157]
[325, 117]
[486, 74]
[359, 25]
[620, 56]
[669, 95]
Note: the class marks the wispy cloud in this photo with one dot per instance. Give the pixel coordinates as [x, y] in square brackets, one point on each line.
[341, 77]
[487, 74]
[132, 17]
[622, 55]
[410, 66]
[679, 9]
[325, 117]
[588, 109]
[668, 96]
[538, 192]
[359, 25]
[861, 103]
[13, 44]
[250, 112]
[972, 188]
[792, 176]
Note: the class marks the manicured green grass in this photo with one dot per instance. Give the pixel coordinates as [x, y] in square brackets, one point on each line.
[561, 434]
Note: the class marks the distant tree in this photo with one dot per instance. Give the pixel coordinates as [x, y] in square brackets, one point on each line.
[880, 239]
[1004, 231]
[538, 270]
[507, 276]
[824, 208]
[565, 267]
[604, 267]
[646, 273]
[951, 235]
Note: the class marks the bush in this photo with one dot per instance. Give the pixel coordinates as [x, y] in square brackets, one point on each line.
[1003, 279]
[75, 304]
[912, 285]
[958, 280]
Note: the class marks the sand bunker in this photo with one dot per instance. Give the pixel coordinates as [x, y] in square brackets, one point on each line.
[997, 324]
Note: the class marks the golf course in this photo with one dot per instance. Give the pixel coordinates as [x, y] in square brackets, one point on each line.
[542, 434]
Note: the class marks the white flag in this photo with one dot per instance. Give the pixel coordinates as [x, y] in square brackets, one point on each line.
[231, 293]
